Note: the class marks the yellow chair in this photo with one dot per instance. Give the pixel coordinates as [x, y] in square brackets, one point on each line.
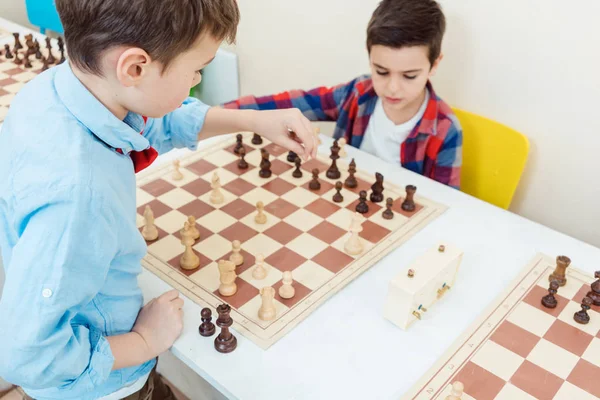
[494, 158]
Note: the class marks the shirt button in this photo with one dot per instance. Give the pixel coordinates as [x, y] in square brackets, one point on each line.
[46, 293]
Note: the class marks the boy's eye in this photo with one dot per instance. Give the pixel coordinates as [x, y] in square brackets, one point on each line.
[382, 73]
[411, 77]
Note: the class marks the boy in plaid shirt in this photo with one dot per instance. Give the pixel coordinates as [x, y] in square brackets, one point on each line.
[393, 113]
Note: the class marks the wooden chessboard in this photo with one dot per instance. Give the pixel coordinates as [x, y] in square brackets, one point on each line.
[520, 350]
[305, 231]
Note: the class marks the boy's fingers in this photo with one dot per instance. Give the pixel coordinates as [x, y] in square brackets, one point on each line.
[170, 295]
[178, 303]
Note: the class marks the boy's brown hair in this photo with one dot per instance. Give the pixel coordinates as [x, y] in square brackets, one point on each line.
[163, 28]
[405, 23]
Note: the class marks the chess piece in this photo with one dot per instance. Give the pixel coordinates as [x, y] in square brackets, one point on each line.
[354, 244]
[409, 202]
[30, 44]
[44, 64]
[337, 197]
[457, 391]
[239, 143]
[256, 139]
[18, 45]
[259, 272]
[50, 58]
[242, 163]
[287, 291]
[297, 172]
[216, 196]
[177, 175]
[17, 59]
[236, 257]
[342, 143]
[314, 183]
[377, 189]
[62, 56]
[582, 317]
[38, 52]
[206, 328]
[549, 301]
[149, 231]
[261, 217]
[265, 164]
[333, 172]
[225, 342]
[594, 294]
[189, 260]
[362, 206]
[560, 272]
[48, 43]
[291, 157]
[267, 310]
[351, 181]
[192, 224]
[228, 287]
[26, 61]
[388, 213]
[7, 52]
[60, 41]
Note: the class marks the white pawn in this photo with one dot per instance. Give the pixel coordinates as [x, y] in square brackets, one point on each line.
[216, 197]
[189, 260]
[177, 175]
[261, 217]
[149, 231]
[236, 257]
[342, 143]
[457, 391]
[259, 272]
[354, 245]
[287, 291]
[267, 310]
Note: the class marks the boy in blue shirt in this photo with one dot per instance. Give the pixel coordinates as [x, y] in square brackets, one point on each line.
[73, 326]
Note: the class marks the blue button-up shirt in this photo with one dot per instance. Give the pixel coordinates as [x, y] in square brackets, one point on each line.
[68, 234]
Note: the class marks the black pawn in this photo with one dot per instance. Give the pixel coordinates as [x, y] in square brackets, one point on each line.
[351, 181]
[62, 57]
[7, 52]
[207, 328]
[18, 44]
[45, 64]
[362, 206]
[38, 52]
[314, 183]
[291, 157]
[377, 189]
[337, 197]
[388, 213]
[265, 165]
[239, 144]
[582, 317]
[297, 172]
[256, 139]
[27, 61]
[17, 60]
[225, 342]
[242, 164]
[549, 301]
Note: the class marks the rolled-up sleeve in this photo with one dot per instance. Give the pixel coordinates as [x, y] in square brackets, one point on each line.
[57, 267]
[178, 129]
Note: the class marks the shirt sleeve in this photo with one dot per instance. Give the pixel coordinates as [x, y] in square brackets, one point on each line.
[58, 265]
[178, 129]
[449, 159]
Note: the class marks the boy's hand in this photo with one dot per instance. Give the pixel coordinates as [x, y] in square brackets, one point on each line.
[276, 125]
[160, 322]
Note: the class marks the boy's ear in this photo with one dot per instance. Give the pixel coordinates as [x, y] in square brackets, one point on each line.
[435, 65]
[132, 66]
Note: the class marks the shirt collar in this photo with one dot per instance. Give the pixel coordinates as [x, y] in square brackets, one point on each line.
[118, 134]
[428, 124]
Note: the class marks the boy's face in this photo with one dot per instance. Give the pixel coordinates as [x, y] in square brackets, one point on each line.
[400, 75]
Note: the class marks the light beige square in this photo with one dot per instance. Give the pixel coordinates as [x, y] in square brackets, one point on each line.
[5, 100]
[348, 196]
[249, 221]
[568, 291]
[592, 354]
[312, 275]
[341, 218]
[553, 358]
[391, 224]
[254, 158]
[171, 222]
[510, 392]
[225, 176]
[220, 158]
[303, 220]
[139, 220]
[208, 277]
[250, 310]
[214, 247]
[216, 221]
[307, 246]
[259, 194]
[25, 76]
[261, 244]
[14, 88]
[568, 391]
[254, 178]
[142, 197]
[273, 276]
[567, 316]
[167, 248]
[531, 319]
[498, 360]
[176, 198]
[188, 176]
[300, 197]
[228, 197]
[341, 243]
[287, 176]
[3, 112]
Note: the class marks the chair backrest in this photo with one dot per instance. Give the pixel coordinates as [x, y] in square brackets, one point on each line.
[494, 157]
[43, 13]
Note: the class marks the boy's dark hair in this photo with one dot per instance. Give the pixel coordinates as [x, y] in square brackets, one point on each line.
[404, 23]
[163, 28]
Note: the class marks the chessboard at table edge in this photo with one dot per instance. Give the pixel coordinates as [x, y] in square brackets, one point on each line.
[519, 349]
[305, 245]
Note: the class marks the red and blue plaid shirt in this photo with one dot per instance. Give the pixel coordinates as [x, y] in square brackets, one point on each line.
[433, 148]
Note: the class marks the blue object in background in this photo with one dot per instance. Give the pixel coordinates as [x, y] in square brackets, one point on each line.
[43, 13]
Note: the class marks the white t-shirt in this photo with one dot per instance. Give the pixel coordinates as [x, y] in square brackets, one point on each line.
[127, 390]
[383, 138]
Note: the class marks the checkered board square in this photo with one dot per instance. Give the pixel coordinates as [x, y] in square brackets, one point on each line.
[520, 350]
[305, 231]
[13, 77]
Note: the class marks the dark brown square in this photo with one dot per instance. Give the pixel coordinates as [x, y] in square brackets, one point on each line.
[300, 293]
[397, 207]
[586, 376]
[280, 208]
[204, 261]
[238, 209]
[534, 298]
[373, 207]
[283, 232]
[322, 208]
[373, 232]
[333, 259]
[536, 381]
[3, 92]
[238, 231]
[327, 232]
[7, 82]
[278, 186]
[197, 187]
[14, 71]
[285, 259]
[161, 235]
[325, 187]
[158, 187]
[158, 208]
[278, 167]
[197, 208]
[515, 338]
[233, 167]
[274, 149]
[245, 293]
[314, 163]
[201, 167]
[479, 382]
[204, 234]
[239, 187]
[569, 338]
[249, 261]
